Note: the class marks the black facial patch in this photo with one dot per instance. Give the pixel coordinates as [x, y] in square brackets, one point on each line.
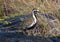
[35, 12]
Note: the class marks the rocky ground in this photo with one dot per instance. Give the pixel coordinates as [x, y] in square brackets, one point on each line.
[20, 37]
[47, 29]
[47, 25]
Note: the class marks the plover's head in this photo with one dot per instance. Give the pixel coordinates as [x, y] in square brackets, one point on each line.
[35, 11]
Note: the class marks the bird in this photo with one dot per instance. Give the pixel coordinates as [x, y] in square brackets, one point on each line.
[34, 12]
[17, 20]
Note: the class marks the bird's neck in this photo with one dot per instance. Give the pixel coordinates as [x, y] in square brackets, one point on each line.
[34, 21]
[34, 17]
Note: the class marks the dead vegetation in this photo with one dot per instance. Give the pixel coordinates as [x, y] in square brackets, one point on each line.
[11, 6]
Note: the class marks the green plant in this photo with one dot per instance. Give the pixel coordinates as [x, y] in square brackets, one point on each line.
[5, 17]
[13, 15]
[43, 24]
[5, 23]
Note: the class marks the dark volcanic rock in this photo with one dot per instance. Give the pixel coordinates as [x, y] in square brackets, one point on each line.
[20, 37]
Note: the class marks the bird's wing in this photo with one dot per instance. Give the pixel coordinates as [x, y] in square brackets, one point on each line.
[25, 23]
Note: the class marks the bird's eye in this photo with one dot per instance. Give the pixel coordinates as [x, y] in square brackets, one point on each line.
[35, 12]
